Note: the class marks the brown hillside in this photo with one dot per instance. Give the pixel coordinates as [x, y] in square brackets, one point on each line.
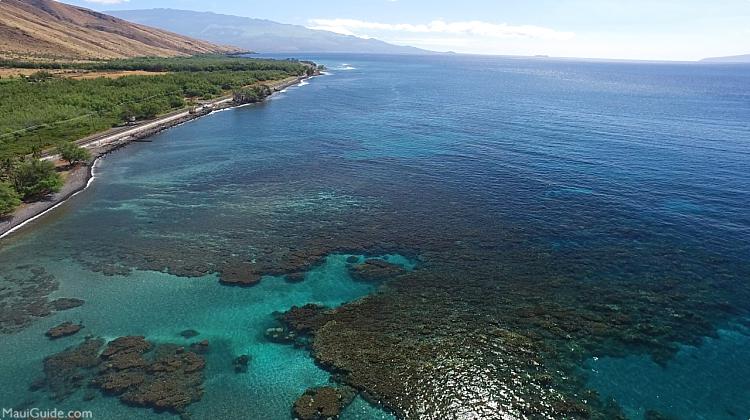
[49, 29]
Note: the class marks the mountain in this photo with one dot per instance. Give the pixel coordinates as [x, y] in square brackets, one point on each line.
[733, 59]
[258, 34]
[49, 29]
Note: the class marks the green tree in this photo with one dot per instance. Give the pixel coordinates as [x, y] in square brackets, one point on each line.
[7, 169]
[9, 199]
[36, 151]
[40, 76]
[36, 178]
[72, 153]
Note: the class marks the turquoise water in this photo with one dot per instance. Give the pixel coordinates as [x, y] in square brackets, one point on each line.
[606, 196]
[684, 387]
[160, 306]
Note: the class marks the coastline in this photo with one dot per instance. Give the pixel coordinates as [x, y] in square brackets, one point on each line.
[80, 178]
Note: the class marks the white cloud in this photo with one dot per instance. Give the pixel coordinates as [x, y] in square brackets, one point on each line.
[474, 28]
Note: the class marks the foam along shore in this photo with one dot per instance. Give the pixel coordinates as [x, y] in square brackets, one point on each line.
[79, 178]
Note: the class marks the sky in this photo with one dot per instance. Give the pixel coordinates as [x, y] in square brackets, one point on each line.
[625, 29]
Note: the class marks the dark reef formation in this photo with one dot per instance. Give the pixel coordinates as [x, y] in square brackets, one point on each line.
[306, 319]
[200, 347]
[280, 335]
[163, 377]
[240, 363]
[69, 370]
[323, 403]
[436, 342]
[188, 334]
[295, 277]
[24, 293]
[63, 304]
[63, 330]
[239, 274]
[297, 325]
[374, 270]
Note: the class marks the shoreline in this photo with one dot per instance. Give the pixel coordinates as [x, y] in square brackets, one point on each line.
[80, 178]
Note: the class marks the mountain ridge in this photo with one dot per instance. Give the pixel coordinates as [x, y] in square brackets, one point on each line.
[50, 29]
[262, 35]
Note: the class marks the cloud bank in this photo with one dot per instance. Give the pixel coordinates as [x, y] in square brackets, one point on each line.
[466, 28]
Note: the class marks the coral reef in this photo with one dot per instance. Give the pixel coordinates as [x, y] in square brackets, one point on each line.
[23, 297]
[374, 270]
[323, 403]
[353, 259]
[63, 330]
[63, 304]
[295, 277]
[305, 319]
[200, 347]
[188, 334]
[280, 335]
[436, 342]
[240, 363]
[239, 274]
[163, 377]
[67, 371]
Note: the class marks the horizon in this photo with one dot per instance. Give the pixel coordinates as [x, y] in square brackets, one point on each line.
[669, 31]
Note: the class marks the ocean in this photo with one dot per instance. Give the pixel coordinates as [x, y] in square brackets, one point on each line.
[573, 241]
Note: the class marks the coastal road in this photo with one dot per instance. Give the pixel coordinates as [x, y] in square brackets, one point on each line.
[112, 138]
[121, 133]
[118, 134]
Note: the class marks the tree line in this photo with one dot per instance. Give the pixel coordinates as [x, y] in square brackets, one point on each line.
[173, 64]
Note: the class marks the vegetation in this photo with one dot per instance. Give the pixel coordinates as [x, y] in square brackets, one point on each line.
[43, 110]
[35, 178]
[9, 199]
[251, 94]
[200, 63]
[72, 153]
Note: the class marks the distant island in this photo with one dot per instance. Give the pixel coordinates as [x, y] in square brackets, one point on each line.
[731, 59]
[260, 35]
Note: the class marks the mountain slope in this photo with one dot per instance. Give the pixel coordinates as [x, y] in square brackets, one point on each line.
[733, 59]
[49, 29]
[259, 35]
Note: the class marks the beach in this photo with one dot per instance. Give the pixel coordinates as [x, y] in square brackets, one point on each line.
[80, 177]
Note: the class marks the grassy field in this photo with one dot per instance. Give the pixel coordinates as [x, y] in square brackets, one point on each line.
[78, 74]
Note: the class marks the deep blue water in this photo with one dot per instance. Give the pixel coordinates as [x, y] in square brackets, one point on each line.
[619, 170]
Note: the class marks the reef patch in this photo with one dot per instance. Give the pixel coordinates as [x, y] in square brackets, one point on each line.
[163, 377]
[323, 403]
